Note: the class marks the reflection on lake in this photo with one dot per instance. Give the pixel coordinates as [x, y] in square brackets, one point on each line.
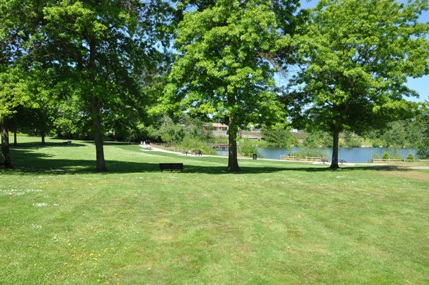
[362, 154]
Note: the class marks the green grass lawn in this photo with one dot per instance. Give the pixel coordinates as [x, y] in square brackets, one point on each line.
[274, 223]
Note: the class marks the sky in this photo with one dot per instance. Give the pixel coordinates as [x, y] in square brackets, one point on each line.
[421, 85]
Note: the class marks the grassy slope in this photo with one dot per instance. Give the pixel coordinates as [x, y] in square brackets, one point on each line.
[274, 223]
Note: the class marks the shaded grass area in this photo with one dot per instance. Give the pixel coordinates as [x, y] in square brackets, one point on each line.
[274, 223]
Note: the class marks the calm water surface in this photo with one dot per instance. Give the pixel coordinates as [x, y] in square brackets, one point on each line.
[362, 154]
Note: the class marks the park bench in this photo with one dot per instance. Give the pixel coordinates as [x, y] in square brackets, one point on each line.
[171, 166]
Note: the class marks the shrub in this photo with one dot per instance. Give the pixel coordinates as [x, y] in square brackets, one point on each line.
[375, 156]
[248, 147]
[309, 152]
[385, 155]
[192, 143]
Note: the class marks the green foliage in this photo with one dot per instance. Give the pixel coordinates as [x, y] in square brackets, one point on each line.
[169, 131]
[385, 155]
[356, 57]
[410, 157]
[197, 136]
[376, 143]
[391, 154]
[100, 52]
[351, 140]
[409, 133]
[375, 156]
[279, 137]
[185, 133]
[248, 147]
[221, 71]
[395, 135]
[195, 129]
[16, 90]
[317, 139]
[422, 121]
[423, 153]
[307, 152]
[190, 143]
[375, 138]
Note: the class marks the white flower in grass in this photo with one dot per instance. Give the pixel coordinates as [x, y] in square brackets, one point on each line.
[18, 192]
[40, 204]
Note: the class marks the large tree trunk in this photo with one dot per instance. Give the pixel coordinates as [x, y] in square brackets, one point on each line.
[98, 137]
[232, 146]
[5, 150]
[334, 162]
[95, 113]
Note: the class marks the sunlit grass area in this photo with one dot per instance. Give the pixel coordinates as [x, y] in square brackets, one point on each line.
[274, 223]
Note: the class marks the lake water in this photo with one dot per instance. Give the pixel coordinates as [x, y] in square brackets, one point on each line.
[362, 154]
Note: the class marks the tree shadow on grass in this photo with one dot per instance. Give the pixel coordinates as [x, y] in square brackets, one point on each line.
[25, 159]
[194, 166]
[28, 161]
[36, 145]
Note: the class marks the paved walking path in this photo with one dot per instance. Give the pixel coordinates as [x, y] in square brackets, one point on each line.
[419, 167]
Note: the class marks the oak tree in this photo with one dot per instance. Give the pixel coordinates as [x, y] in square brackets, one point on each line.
[355, 58]
[221, 71]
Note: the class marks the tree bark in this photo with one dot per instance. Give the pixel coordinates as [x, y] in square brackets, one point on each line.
[5, 150]
[95, 113]
[232, 146]
[334, 162]
[98, 137]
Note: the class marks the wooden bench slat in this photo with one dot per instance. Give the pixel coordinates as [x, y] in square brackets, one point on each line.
[171, 166]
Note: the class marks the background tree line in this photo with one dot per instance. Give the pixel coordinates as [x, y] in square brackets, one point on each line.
[130, 69]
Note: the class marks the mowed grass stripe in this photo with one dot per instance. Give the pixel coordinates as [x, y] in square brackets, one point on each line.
[273, 223]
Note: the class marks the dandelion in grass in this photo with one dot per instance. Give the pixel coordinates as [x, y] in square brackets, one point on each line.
[40, 204]
[19, 192]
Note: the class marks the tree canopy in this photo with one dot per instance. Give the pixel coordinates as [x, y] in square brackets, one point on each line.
[98, 51]
[222, 70]
[16, 82]
[355, 58]
[93, 67]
